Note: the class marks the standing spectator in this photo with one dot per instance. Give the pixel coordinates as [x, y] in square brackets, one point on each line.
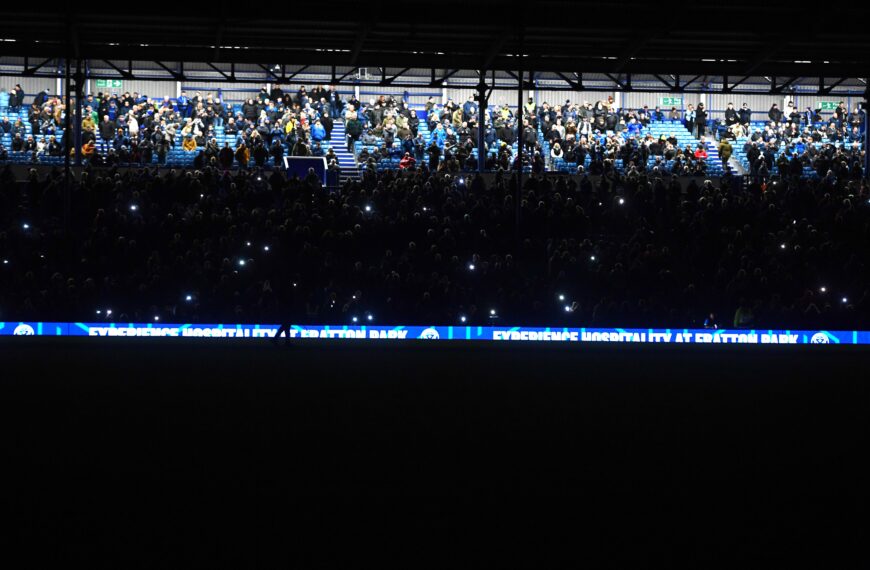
[354, 130]
[243, 155]
[731, 116]
[225, 157]
[326, 121]
[745, 114]
[700, 121]
[318, 133]
[107, 131]
[16, 98]
[40, 98]
[690, 118]
[775, 114]
[725, 151]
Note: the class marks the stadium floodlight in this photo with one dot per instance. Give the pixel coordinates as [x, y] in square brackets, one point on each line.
[99, 312]
[5, 262]
[26, 226]
[108, 311]
[823, 289]
[247, 243]
[133, 207]
[294, 284]
[156, 318]
[265, 248]
[471, 266]
[561, 297]
[462, 318]
[369, 317]
[591, 258]
[425, 209]
[354, 319]
[492, 312]
[189, 298]
[368, 208]
[242, 262]
[845, 299]
[782, 246]
[621, 201]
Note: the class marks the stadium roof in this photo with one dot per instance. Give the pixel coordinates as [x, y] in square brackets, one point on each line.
[744, 37]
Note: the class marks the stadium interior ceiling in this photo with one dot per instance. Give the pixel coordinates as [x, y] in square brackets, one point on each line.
[581, 45]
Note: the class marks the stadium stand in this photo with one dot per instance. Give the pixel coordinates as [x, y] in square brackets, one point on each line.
[592, 137]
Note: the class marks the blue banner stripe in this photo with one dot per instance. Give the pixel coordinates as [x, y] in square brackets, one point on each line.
[488, 333]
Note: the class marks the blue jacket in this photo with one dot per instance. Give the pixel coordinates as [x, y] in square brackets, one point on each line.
[318, 133]
[439, 135]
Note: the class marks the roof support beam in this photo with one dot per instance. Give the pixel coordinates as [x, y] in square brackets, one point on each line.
[269, 71]
[671, 86]
[126, 74]
[285, 78]
[440, 81]
[389, 80]
[573, 83]
[729, 88]
[216, 68]
[826, 90]
[622, 85]
[782, 87]
[175, 75]
[33, 70]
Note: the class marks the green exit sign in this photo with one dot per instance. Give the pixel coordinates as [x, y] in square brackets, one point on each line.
[828, 105]
[115, 83]
[670, 102]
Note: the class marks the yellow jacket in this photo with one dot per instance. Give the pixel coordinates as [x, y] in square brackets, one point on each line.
[189, 144]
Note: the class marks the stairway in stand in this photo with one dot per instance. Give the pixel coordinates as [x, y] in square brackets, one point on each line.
[715, 167]
[346, 160]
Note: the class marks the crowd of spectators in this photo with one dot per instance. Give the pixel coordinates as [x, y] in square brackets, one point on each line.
[793, 141]
[570, 132]
[417, 246]
[131, 128]
[595, 137]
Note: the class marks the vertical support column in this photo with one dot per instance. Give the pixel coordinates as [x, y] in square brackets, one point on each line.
[481, 122]
[356, 93]
[866, 108]
[77, 128]
[519, 190]
[177, 89]
[67, 190]
[443, 95]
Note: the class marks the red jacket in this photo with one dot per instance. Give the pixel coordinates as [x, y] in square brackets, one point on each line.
[407, 162]
[701, 153]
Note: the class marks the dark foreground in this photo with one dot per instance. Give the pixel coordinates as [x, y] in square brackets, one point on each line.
[158, 454]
